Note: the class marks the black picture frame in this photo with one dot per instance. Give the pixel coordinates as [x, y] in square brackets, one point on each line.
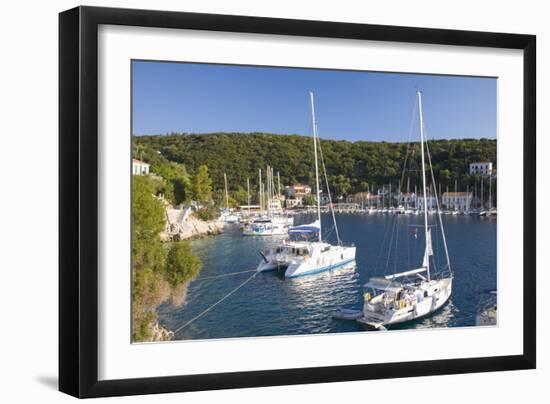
[78, 200]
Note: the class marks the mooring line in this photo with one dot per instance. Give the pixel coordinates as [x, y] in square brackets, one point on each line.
[223, 275]
[215, 304]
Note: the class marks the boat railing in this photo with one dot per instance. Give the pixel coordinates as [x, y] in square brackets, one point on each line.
[445, 272]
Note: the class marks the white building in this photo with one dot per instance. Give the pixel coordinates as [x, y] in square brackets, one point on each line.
[483, 168]
[276, 204]
[457, 200]
[293, 202]
[431, 202]
[297, 190]
[139, 167]
[407, 199]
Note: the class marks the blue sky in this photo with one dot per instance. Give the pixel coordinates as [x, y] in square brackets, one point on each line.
[200, 98]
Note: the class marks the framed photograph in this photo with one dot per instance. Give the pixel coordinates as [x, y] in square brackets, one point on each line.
[251, 201]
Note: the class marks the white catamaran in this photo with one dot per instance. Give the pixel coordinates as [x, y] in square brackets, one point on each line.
[414, 293]
[306, 257]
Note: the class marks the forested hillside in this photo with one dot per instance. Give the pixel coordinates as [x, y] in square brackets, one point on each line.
[351, 166]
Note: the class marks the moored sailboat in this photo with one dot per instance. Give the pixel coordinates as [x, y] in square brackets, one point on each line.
[307, 256]
[274, 223]
[413, 293]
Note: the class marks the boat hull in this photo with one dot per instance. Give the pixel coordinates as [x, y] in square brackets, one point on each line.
[274, 232]
[337, 257]
[427, 306]
[277, 226]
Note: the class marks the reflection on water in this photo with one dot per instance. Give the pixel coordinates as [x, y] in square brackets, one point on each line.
[271, 305]
[442, 318]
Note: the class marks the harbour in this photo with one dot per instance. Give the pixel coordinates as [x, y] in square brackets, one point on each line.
[272, 305]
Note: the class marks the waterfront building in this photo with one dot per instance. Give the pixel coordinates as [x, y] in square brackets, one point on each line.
[293, 202]
[294, 195]
[457, 200]
[139, 167]
[359, 197]
[483, 168]
[276, 204]
[431, 202]
[407, 199]
[297, 190]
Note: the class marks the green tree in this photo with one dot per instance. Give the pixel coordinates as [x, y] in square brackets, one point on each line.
[240, 155]
[342, 185]
[240, 197]
[363, 186]
[181, 189]
[445, 177]
[148, 255]
[309, 200]
[182, 265]
[202, 185]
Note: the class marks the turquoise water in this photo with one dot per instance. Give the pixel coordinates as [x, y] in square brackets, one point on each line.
[270, 305]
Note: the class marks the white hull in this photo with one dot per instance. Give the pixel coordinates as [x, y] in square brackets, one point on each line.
[273, 231]
[277, 226]
[229, 218]
[426, 299]
[314, 261]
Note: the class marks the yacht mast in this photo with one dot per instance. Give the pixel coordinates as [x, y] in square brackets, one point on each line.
[269, 190]
[275, 194]
[226, 194]
[426, 234]
[278, 186]
[490, 186]
[248, 194]
[314, 124]
[475, 191]
[467, 203]
[260, 190]
[482, 204]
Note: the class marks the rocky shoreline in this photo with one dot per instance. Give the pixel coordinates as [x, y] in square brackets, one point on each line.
[183, 225]
[159, 333]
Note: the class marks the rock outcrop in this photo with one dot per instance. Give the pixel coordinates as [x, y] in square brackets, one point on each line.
[159, 333]
[183, 225]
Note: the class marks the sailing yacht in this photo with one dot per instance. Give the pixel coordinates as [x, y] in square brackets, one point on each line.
[227, 215]
[305, 256]
[274, 224]
[414, 293]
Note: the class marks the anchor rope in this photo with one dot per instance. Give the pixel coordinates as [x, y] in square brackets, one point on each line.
[202, 313]
[203, 278]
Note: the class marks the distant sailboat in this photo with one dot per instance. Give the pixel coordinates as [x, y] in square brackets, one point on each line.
[306, 257]
[414, 293]
[227, 216]
[274, 223]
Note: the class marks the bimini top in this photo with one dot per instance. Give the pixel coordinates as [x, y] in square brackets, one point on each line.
[306, 228]
[385, 285]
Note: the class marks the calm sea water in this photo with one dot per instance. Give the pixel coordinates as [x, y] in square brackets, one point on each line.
[271, 305]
